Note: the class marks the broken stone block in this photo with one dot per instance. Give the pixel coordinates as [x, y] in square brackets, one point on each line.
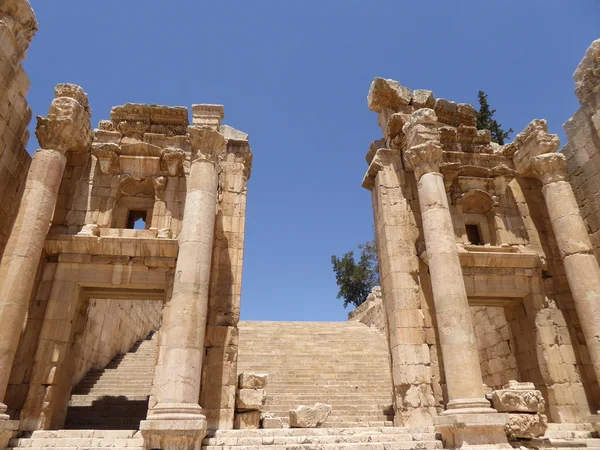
[526, 426]
[423, 98]
[247, 420]
[518, 397]
[385, 93]
[309, 416]
[252, 380]
[250, 399]
[268, 420]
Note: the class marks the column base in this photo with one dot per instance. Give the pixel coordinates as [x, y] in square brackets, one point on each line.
[473, 431]
[6, 428]
[469, 406]
[594, 419]
[174, 427]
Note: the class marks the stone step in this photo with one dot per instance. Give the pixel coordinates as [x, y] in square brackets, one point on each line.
[316, 439]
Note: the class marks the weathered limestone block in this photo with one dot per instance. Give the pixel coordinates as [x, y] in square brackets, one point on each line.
[309, 416]
[247, 420]
[252, 380]
[515, 399]
[526, 426]
[250, 399]
[385, 93]
[268, 420]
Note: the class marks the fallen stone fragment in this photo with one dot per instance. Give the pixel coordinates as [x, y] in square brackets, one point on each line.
[269, 420]
[526, 426]
[252, 380]
[309, 416]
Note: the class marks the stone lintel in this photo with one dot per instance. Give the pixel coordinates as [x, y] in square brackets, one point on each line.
[382, 158]
[208, 115]
[498, 257]
[113, 246]
[386, 93]
[150, 114]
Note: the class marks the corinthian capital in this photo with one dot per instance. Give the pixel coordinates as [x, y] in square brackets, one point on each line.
[67, 126]
[549, 167]
[423, 152]
[534, 140]
[207, 143]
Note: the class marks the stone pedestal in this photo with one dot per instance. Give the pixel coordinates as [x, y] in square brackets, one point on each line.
[177, 422]
[473, 431]
[6, 429]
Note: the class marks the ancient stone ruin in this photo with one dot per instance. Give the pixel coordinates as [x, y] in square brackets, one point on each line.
[120, 282]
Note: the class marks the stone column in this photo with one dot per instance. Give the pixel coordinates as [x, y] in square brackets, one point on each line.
[66, 128]
[574, 245]
[469, 420]
[423, 155]
[177, 420]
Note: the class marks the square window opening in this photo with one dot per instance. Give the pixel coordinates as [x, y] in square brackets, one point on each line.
[474, 234]
[136, 220]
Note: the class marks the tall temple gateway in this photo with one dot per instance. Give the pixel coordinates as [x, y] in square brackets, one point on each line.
[120, 282]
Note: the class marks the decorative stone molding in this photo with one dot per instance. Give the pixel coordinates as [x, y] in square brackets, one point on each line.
[423, 153]
[207, 144]
[130, 187]
[383, 157]
[173, 158]
[107, 154]
[477, 201]
[206, 115]
[67, 126]
[549, 167]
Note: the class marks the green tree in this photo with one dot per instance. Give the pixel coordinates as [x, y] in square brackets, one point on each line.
[486, 121]
[355, 279]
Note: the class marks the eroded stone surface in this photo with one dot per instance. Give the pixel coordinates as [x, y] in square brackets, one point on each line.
[252, 380]
[309, 416]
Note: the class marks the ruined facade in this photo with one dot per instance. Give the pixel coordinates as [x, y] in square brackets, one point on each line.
[131, 235]
[487, 270]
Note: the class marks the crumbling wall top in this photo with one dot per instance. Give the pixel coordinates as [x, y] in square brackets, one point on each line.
[19, 17]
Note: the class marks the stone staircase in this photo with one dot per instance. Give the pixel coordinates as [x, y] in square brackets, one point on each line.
[81, 439]
[116, 397]
[360, 438]
[344, 364]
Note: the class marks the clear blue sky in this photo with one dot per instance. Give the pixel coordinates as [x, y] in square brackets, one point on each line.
[295, 76]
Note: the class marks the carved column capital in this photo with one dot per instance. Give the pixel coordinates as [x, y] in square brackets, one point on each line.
[67, 126]
[423, 152]
[173, 158]
[534, 140]
[207, 144]
[549, 167]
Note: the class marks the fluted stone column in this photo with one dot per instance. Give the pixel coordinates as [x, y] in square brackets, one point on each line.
[469, 421]
[66, 128]
[177, 421]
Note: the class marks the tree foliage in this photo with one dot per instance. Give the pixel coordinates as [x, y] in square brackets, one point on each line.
[356, 278]
[486, 121]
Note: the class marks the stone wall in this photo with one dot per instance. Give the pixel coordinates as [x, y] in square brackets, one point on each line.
[371, 312]
[111, 328]
[583, 147]
[495, 346]
[17, 27]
